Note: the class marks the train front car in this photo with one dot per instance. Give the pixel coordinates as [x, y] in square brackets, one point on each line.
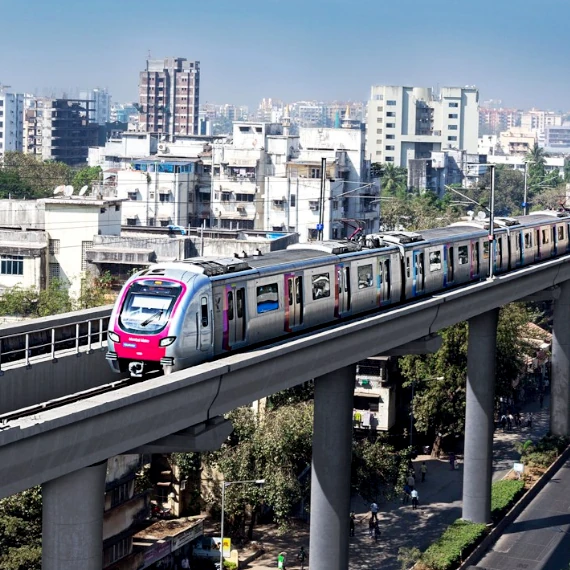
[152, 326]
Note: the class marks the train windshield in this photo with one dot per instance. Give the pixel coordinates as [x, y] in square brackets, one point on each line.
[148, 305]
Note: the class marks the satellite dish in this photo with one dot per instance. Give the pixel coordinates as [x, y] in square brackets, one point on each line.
[59, 190]
[83, 190]
[481, 215]
[68, 191]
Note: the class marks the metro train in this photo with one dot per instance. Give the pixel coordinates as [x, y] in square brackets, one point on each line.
[178, 314]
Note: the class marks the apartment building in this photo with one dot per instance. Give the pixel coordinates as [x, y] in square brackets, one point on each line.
[11, 121]
[410, 122]
[493, 121]
[59, 129]
[100, 108]
[536, 120]
[169, 97]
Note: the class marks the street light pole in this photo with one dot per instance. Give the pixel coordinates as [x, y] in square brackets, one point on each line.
[524, 204]
[224, 485]
[492, 224]
[412, 415]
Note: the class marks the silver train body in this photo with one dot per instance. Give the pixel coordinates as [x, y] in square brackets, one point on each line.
[175, 315]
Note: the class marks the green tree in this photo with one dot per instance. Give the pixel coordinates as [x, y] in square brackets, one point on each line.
[536, 158]
[509, 191]
[31, 302]
[20, 531]
[42, 177]
[95, 290]
[12, 186]
[393, 179]
[86, 176]
[439, 379]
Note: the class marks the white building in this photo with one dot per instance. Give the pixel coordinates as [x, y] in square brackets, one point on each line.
[536, 121]
[517, 162]
[11, 121]
[120, 150]
[100, 110]
[409, 122]
[62, 233]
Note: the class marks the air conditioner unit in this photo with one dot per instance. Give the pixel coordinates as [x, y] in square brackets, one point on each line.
[162, 147]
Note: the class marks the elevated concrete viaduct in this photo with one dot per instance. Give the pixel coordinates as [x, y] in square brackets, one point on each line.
[52, 445]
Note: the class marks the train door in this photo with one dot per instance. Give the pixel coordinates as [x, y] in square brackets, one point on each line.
[384, 284]
[294, 296]
[538, 244]
[343, 288]
[236, 314]
[500, 252]
[204, 324]
[450, 263]
[419, 273]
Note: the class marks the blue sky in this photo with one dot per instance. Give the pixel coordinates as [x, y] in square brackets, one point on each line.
[514, 50]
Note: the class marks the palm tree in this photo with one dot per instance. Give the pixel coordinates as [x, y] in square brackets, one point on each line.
[393, 178]
[536, 155]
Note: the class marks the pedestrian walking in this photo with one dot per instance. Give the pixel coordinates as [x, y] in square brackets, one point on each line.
[377, 532]
[302, 555]
[415, 498]
[510, 421]
[529, 420]
[411, 482]
[452, 460]
[371, 526]
[374, 511]
[281, 561]
[423, 471]
[503, 421]
[352, 519]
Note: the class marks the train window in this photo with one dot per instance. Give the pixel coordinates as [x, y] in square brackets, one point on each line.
[560, 232]
[231, 306]
[451, 265]
[553, 234]
[387, 277]
[364, 276]
[462, 255]
[435, 260]
[528, 240]
[290, 290]
[204, 306]
[267, 298]
[321, 286]
[475, 253]
[485, 250]
[240, 298]
[408, 267]
[545, 236]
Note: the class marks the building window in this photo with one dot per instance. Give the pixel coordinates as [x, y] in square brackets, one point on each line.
[389, 159]
[314, 205]
[435, 260]
[452, 116]
[452, 138]
[54, 271]
[391, 137]
[117, 551]
[293, 200]
[85, 245]
[54, 245]
[120, 494]
[391, 125]
[379, 120]
[321, 286]
[454, 104]
[132, 195]
[315, 173]
[391, 102]
[390, 147]
[267, 298]
[452, 127]
[164, 197]
[378, 131]
[380, 109]
[364, 276]
[12, 265]
[390, 114]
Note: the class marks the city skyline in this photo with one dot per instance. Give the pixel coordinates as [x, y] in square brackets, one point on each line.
[296, 50]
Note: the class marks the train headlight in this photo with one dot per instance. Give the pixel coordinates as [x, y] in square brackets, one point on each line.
[113, 336]
[167, 341]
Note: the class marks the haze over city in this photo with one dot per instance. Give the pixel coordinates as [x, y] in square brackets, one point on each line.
[294, 50]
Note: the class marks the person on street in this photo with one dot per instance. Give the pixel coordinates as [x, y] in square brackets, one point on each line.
[281, 561]
[510, 421]
[423, 471]
[371, 526]
[411, 482]
[374, 511]
[415, 498]
[352, 519]
[529, 420]
[302, 555]
[406, 496]
[377, 532]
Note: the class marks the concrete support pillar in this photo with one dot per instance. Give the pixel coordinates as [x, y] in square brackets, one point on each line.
[330, 473]
[477, 474]
[560, 381]
[72, 520]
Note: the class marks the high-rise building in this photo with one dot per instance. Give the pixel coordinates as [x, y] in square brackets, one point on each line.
[169, 97]
[100, 109]
[59, 129]
[410, 122]
[11, 117]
